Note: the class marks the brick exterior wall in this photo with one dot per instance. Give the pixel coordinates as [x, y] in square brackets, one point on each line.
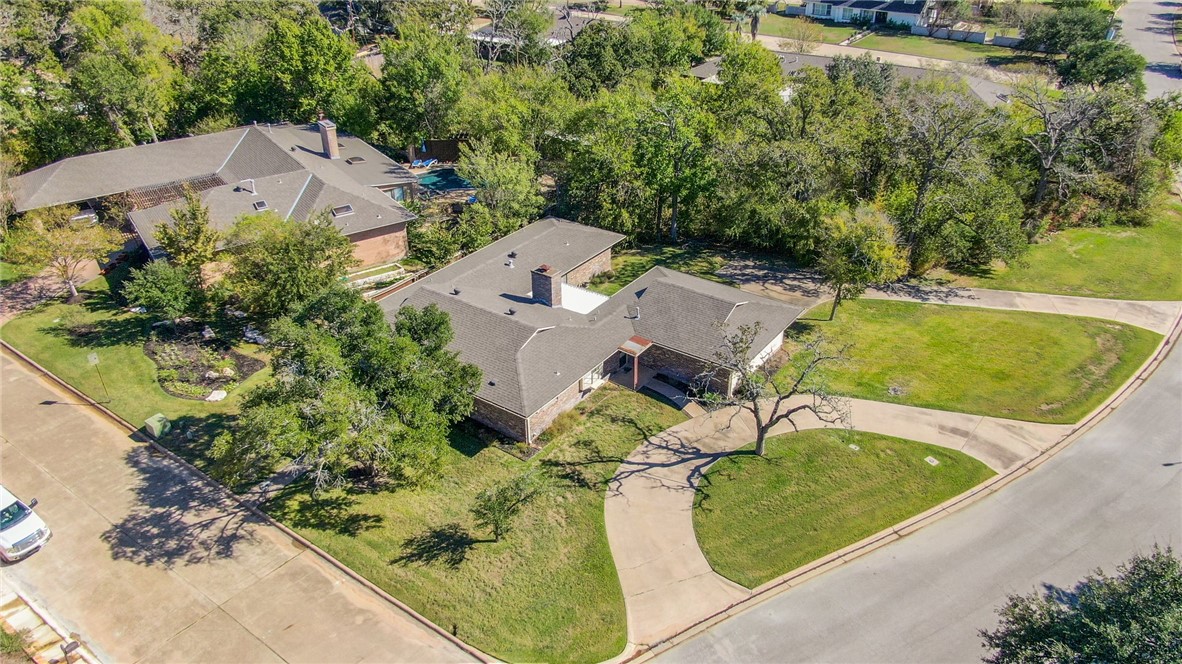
[583, 273]
[547, 286]
[682, 366]
[500, 420]
[544, 417]
[380, 245]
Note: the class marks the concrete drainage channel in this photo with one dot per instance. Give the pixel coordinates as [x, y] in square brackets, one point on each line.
[45, 641]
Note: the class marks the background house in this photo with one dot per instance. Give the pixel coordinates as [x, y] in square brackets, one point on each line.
[544, 343]
[293, 170]
[903, 12]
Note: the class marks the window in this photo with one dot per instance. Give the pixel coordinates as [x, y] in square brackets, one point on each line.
[398, 193]
[342, 210]
[259, 206]
[822, 9]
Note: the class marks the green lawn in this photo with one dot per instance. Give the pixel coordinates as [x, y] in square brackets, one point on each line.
[628, 264]
[1131, 263]
[548, 591]
[776, 25]
[758, 518]
[132, 391]
[1012, 364]
[940, 49]
[10, 273]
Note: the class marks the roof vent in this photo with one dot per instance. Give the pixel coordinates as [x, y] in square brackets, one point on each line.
[512, 254]
[511, 311]
[259, 206]
[493, 383]
[510, 263]
[342, 210]
[355, 160]
[455, 291]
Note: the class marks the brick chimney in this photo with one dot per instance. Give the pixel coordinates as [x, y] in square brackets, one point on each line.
[328, 138]
[547, 286]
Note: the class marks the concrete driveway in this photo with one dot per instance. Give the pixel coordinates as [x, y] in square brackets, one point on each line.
[1147, 27]
[148, 563]
[1114, 492]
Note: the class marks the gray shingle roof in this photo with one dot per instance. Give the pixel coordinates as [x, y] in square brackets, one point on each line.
[528, 358]
[285, 161]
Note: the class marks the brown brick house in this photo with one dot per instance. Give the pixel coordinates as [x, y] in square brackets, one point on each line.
[544, 343]
[292, 170]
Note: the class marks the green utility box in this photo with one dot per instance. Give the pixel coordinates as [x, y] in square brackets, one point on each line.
[157, 425]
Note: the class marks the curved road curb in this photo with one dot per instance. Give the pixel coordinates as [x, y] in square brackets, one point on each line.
[641, 653]
[299, 539]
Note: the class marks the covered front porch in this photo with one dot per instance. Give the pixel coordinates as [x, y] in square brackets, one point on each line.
[636, 375]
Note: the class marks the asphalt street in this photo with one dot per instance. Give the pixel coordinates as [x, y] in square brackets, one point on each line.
[1114, 492]
[1146, 25]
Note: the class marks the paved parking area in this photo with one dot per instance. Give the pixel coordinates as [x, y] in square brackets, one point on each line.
[149, 564]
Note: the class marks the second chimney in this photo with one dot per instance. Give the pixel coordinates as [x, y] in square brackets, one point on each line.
[547, 285]
[328, 138]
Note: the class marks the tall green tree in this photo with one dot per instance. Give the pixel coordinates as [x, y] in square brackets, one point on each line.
[860, 251]
[51, 239]
[422, 79]
[506, 188]
[1132, 616]
[189, 240]
[1057, 32]
[121, 68]
[277, 264]
[161, 288]
[1102, 63]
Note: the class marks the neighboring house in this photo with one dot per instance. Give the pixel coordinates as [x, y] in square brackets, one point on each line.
[903, 12]
[565, 28]
[544, 343]
[790, 63]
[294, 170]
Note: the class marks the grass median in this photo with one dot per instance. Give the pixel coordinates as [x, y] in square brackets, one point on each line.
[1012, 364]
[757, 518]
[548, 591]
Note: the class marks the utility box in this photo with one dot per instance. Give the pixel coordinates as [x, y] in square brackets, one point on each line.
[157, 425]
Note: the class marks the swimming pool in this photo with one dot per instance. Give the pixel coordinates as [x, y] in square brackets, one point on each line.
[443, 179]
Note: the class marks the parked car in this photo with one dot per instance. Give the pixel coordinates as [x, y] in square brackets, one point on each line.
[21, 531]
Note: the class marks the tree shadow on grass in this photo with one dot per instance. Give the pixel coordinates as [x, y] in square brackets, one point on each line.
[334, 513]
[178, 518]
[447, 545]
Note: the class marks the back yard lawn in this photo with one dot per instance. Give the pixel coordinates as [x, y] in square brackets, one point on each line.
[757, 518]
[1012, 364]
[939, 49]
[548, 591]
[628, 264]
[1122, 262]
[117, 338]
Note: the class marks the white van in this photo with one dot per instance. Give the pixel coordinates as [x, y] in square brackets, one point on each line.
[21, 531]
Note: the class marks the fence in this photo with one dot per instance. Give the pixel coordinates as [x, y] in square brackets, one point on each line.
[954, 35]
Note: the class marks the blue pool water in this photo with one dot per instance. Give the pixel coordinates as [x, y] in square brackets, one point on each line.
[443, 179]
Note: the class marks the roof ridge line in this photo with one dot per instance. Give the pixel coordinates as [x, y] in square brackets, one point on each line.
[232, 151]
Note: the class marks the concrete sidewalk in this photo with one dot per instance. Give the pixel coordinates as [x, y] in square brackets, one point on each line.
[667, 582]
[804, 289]
[150, 563]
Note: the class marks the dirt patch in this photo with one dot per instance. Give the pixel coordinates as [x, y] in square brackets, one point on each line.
[191, 367]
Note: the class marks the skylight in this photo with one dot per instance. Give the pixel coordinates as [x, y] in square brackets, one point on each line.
[355, 160]
[259, 206]
[342, 210]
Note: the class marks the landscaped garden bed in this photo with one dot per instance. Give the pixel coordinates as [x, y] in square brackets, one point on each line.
[816, 492]
[189, 366]
[1012, 364]
[548, 591]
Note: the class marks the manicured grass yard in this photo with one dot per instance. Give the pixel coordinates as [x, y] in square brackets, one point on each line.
[776, 25]
[1012, 364]
[1129, 263]
[628, 264]
[940, 49]
[134, 393]
[757, 518]
[548, 591]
